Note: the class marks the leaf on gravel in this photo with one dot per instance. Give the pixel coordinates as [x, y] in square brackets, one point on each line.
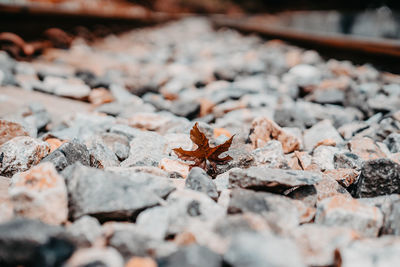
[204, 152]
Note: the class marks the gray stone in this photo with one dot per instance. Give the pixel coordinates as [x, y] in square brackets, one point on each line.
[351, 213]
[198, 180]
[146, 149]
[21, 153]
[67, 154]
[253, 249]
[193, 256]
[96, 257]
[274, 180]
[347, 160]
[134, 243]
[384, 252]
[321, 131]
[271, 155]
[118, 143]
[378, 177]
[279, 211]
[393, 142]
[33, 243]
[101, 156]
[106, 195]
[323, 157]
[84, 231]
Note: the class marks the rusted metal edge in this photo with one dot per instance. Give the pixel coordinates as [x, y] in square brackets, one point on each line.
[117, 13]
[376, 46]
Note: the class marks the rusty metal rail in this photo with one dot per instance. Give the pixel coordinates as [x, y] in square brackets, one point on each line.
[358, 44]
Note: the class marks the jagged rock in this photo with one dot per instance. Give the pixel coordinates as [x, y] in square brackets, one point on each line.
[279, 211]
[253, 249]
[96, 257]
[20, 153]
[90, 191]
[393, 142]
[198, 180]
[270, 155]
[319, 132]
[347, 212]
[274, 180]
[84, 231]
[264, 129]
[9, 130]
[194, 256]
[32, 243]
[40, 193]
[101, 155]
[378, 177]
[67, 154]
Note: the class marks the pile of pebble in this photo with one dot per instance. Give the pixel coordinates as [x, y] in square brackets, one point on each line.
[314, 179]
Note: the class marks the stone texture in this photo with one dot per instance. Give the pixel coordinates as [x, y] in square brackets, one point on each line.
[9, 130]
[342, 211]
[33, 243]
[21, 153]
[198, 180]
[251, 249]
[96, 257]
[40, 193]
[90, 191]
[194, 255]
[67, 154]
[393, 142]
[264, 129]
[365, 148]
[85, 231]
[321, 131]
[274, 180]
[378, 177]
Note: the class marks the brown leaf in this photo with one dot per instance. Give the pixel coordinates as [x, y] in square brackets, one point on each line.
[204, 152]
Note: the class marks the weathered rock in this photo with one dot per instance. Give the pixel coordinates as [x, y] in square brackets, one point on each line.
[270, 155]
[96, 257]
[252, 249]
[274, 180]
[118, 143]
[345, 177]
[365, 148]
[101, 155]
[347, 212]
[323, 157]
[146, 149]
[9, 130]
[317, 243]
[40, 193]
[384, 251]
[90, 191]
[20, 153]
[84, 231]
[378, 177]
[319, 132]
[198, 180]
[32, 243]
[279, 211]
[174, 167]
[131, 242]
[67, 154]
[264, 130]
[392, 142]
[194, 256]
[328, 187]
[347, 160]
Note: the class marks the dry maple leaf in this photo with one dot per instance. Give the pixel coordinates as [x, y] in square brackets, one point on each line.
[204, 152]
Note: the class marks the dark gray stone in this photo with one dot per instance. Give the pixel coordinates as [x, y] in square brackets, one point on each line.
[106, 195]
[192, 256]
[378, 177]
[33, 243]
[256, 250]
[393, 142]
[347, 160]
[67, 154]
[273, 180]
[198, 180]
